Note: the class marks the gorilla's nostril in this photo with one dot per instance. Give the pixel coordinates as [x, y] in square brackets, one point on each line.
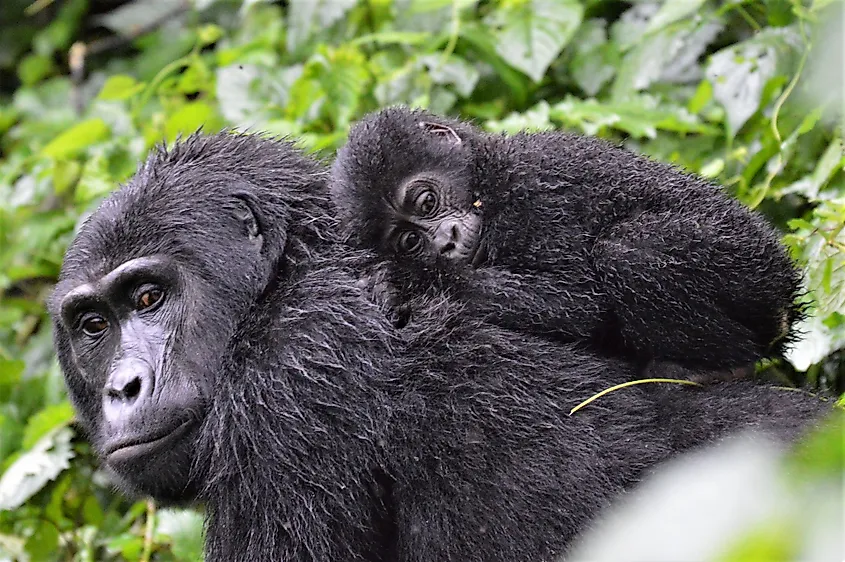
[448, 247]
[127, 392]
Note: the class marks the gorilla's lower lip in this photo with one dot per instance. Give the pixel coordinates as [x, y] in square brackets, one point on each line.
[130, 449]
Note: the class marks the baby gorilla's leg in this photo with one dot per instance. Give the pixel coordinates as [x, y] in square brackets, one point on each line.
[677, 293]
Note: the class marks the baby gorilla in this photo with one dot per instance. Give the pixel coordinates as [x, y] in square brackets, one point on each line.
[566, 236]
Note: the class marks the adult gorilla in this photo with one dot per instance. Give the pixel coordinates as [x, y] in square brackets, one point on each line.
[217, 348]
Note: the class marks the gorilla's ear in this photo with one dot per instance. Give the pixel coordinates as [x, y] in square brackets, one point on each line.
[444, 131]
[244, 211]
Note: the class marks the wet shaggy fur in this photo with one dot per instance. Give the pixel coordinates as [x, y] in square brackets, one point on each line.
[584, 241]
[326, 434]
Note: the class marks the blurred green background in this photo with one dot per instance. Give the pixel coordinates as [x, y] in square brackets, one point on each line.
[748, 93]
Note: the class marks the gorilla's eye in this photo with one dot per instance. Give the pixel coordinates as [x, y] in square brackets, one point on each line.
[93, 325]
[149, 298]
[426, 203]
[409, 242]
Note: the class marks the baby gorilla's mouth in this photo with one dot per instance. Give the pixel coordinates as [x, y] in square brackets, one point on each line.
[468, 247]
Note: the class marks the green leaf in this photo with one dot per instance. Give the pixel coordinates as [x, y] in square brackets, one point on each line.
[209, 34]
[455, 71]
[10, 372]
[484, 48]
[639, 116]
[33, 469]
[703, 94]
[120, 87]
[34, 68]
[183, 528]
[713, 168]
[306, 15]
[12, 548]
[596, 59]
[43, 543]
[768, 541]
[127, 545]
[45, 421]
[671, 12]
[76, 139]
[535, 119]
[409, 38]
[190, 118]
[532, 33]
[739, 73]
[670, 55]
[343, 76]
[829, 163]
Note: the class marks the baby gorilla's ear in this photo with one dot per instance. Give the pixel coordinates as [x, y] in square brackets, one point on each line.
[444, 131]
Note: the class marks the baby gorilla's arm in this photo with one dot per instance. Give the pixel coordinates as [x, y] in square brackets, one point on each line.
[568, 307]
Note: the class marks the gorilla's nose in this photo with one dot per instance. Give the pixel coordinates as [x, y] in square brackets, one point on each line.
[131, 381]
[446, 236]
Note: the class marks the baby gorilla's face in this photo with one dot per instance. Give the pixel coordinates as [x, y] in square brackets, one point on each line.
[430, 220]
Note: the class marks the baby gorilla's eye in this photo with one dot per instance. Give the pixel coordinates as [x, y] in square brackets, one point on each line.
[409, 242]
[93, 325]
[149, 298]
[426, 203]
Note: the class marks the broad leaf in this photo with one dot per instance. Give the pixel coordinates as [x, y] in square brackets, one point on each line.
[535, 119]
[306, 15]
[33, 469]
[531, 34]
[671, 12]
[184, 529]
[455, 71]
[77, 138]
[739, 73]
[47, 420]
[639, 116]
[120, 87]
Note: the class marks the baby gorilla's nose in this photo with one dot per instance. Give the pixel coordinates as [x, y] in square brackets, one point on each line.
[446, 236]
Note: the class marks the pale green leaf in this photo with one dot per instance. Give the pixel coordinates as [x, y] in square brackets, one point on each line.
[739, 73]
[639, 116]
[672, 11]
[47, 420]
[77, 138]
[183, 528]
[33, 469]
[190, 118]
[120, 87]
[535, 119]
[455, 71]
[304, 16]
[532, 34]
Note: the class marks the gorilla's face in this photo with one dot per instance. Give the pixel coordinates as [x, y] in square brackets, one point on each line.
[405, 186]
[430, 219]
[143, 319]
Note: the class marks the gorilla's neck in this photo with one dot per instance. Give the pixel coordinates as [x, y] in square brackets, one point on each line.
[273, 442]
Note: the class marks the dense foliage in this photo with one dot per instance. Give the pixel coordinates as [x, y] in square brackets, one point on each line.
[747, 92]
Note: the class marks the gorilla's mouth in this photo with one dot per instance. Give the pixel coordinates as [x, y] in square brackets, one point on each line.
[139, 446]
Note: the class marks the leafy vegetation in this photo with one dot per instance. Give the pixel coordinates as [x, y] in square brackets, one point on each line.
[747, 92]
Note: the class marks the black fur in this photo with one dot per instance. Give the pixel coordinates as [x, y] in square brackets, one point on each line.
[583, 240]
[325, 433]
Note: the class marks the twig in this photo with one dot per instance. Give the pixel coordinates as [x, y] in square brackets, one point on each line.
[148, 531]
[81, 51]
[626, 384]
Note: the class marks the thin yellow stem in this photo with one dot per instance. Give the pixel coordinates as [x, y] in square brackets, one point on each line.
[626, 384]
